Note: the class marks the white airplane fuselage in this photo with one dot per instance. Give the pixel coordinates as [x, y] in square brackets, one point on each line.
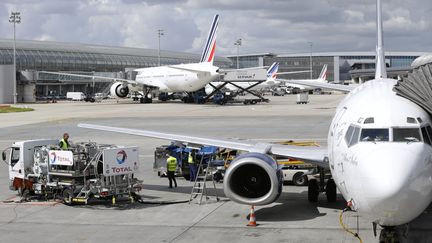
[388, 181]
[304, 87]
[178, 78]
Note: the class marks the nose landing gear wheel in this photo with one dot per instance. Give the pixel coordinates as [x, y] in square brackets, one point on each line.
[389, 235]
[313, 190]
[331, 191]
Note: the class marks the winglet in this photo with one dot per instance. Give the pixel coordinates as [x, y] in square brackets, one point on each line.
[210, 46]
[380, 66]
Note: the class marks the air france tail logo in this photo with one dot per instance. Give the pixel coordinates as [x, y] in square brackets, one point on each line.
[272, 71]
[323, 74]
[210, 46]
[121, 157]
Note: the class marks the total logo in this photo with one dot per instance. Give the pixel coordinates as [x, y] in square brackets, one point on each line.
[53, 157]
[121, 157]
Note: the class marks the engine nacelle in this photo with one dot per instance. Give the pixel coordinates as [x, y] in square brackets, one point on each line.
[253, 179]
[118, 90]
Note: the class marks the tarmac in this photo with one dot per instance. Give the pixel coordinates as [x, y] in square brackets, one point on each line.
[290, 219]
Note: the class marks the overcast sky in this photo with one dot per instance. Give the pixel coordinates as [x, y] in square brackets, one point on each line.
[280, 26]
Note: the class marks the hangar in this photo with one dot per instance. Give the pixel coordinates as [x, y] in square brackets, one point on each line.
[32, 56]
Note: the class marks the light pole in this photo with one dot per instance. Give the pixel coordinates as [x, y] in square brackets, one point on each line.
[238, 43]
[14, 18]
[160, 33]
[310, 58]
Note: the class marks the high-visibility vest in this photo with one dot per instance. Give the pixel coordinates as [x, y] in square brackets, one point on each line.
[190, 159]
[171, 164]
[64, 144]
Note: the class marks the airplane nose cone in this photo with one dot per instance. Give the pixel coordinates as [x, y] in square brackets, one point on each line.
[393, 185]
[386, 172]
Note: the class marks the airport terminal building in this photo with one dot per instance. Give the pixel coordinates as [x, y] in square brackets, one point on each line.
[357, 67]
[32, 56]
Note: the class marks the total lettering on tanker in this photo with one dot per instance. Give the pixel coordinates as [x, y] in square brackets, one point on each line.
[120, 161]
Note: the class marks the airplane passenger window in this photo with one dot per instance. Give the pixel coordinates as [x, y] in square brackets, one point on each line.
[374, 135]
[406, 135]
[426, 137]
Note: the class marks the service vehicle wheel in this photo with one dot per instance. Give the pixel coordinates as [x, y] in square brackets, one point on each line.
[300, 179]
[313, 190]
[67, 196]
[331, 190]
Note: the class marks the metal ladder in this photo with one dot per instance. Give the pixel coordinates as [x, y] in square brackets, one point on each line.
[199, 188]
[83, 195]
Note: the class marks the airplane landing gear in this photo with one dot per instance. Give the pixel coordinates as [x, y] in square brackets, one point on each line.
[313, 190]
[389, 234]
[316, 186]
[331, 190]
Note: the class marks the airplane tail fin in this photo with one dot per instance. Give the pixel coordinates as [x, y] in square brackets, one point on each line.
[380, 66]
[210, 46]
[323, 74]
[273, 69]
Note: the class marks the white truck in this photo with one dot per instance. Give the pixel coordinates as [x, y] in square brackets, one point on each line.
[77, 96]
[41, 168]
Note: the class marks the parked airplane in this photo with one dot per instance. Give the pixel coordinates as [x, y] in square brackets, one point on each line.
[172, 78]
[321, 78]
[379, 154]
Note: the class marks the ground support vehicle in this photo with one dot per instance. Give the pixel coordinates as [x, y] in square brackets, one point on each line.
[302, 98]
[78, 96]
[87, 170]
[219, 162]
[222, 98]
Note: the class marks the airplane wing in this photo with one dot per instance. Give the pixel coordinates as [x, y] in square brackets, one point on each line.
[314, 155]
[91, 76]
[316, 84]
[293, 72]
[191, 70]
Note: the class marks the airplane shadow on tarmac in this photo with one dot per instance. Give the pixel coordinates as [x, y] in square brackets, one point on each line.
[295, 206]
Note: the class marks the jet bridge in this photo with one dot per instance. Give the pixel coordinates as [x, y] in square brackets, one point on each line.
[417, 86]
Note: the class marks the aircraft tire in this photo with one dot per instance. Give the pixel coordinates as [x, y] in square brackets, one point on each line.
[313, 190]
[331, 191]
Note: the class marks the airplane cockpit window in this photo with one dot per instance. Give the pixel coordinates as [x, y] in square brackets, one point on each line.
[374, 135]
[411, 120]
[352, 135]
[406, 135]
[425, 134]
[369, 120]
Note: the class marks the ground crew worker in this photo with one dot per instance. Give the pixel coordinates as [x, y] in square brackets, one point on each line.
[64, 143]
[192, 166]
[171, 169]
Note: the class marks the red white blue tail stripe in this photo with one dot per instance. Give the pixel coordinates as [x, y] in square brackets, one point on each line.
[210, 46]
[323, 74]
[273, 69]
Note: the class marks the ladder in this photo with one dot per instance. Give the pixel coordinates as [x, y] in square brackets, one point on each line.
[199, 189]
[83, 195]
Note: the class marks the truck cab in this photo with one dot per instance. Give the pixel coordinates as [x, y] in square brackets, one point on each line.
[19, 157]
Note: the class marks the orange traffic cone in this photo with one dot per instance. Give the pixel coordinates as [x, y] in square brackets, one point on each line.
[252, 219]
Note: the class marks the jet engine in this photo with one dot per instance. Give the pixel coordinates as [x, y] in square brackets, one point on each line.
[253, 179]
[119, 90]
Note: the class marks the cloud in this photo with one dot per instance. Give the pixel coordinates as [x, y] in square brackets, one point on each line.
[281, 26]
